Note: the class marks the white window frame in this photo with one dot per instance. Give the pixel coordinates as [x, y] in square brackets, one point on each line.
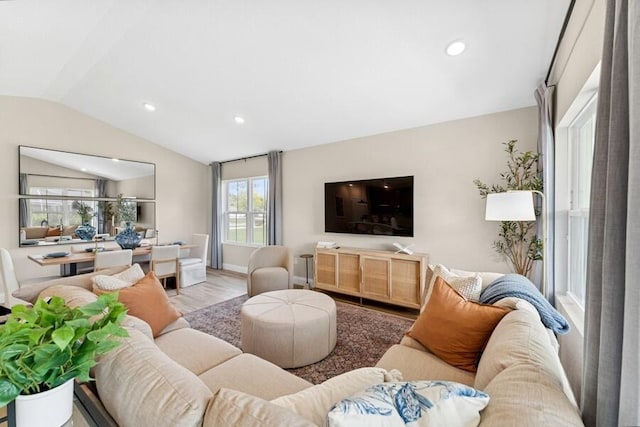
[579, 171]
[250, 213]
[565, 298]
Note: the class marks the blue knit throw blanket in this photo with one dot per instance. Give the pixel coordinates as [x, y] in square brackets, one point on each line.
[515, 285]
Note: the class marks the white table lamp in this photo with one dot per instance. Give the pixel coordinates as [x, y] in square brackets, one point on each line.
[517, 205]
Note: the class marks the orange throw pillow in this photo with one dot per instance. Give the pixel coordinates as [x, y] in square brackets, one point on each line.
[147, 300]
[454, 329]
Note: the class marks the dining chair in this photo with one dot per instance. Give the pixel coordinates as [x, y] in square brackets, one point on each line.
[8, 276]
[164, 263]
[193, 269]
[109, 259]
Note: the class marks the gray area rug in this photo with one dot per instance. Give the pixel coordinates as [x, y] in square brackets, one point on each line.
[363, 335]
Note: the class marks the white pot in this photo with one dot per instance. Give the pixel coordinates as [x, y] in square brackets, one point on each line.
[46, 409]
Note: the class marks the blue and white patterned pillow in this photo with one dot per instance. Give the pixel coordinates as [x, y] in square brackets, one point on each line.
[418, 403]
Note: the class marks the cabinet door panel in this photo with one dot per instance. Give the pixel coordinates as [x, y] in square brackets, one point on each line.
[405, 281]
[376, 273]
[326, 270]
[349, 272]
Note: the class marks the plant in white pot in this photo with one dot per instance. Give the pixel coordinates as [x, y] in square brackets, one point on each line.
[44, 347]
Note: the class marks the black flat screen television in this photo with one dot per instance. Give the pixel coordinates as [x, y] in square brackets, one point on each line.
[382, 206]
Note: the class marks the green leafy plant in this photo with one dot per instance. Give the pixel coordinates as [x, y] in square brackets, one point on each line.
[50, 343]
[518, 240]
[84, 210]
[124, 209]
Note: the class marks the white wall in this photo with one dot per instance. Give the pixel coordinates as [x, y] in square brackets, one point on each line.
[444, 159]
[182, 185]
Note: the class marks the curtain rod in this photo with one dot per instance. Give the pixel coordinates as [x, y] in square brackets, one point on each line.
[562, 31]
[245, 158]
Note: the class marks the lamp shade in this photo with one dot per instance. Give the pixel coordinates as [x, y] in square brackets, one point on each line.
[510, 206]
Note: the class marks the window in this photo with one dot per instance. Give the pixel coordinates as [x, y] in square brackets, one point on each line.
[581, 138]
[55, 212]
[245, 210]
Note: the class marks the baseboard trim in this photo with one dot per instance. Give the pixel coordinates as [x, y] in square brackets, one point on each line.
[302, 280]
[235, 268]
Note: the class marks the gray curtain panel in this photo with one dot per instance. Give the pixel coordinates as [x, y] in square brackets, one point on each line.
[24, 210]
[274, 209]
[611, 382]
[546, 148]
[101, 191]
[216, 217]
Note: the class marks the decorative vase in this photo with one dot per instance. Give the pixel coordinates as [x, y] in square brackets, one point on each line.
[86, 231]
[128, 238]
[50, 408]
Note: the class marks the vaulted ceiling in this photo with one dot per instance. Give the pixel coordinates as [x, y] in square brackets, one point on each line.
[299, 72]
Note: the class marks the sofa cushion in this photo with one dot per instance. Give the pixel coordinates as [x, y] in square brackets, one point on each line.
[253, 375]
[314, 403]
[519, 338]
[73, 296]
[175, 325]
[147, 300]
[419, 404]
[467, 286]
[454, 329]
[195, 350]
[141, 386]
[120, 280]
[31, 291]
[237, 409]
[526, 394]
[418, 364]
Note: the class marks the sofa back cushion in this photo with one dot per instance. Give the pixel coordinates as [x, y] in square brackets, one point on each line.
[141, 386]
[520, 337]
[525, 394]
[31, 291]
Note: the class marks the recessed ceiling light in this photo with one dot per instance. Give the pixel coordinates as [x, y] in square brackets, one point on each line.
[83, 169]
[238, 119]
[455, 48]
[115, 160]
[149, 107]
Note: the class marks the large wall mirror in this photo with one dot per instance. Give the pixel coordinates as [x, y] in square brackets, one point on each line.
[63, 191]
[59, 173]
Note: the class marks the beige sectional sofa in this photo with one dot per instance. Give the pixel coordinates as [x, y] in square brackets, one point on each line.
[187, 378]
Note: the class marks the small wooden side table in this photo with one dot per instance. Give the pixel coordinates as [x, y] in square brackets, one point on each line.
[306, 258]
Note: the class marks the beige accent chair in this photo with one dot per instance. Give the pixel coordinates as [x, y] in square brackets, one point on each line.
[164, 263]
[270, 269]
[193, 269]
[109, 259]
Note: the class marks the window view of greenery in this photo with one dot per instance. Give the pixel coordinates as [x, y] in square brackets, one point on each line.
[53, 212]
[246, 210]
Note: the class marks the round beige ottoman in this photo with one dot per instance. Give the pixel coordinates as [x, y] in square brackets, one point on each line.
[290, 328]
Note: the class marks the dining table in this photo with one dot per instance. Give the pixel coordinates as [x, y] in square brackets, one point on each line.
[68, 261]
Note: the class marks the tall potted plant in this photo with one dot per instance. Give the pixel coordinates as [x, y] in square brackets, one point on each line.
[517, 240]
[85, 231]
[45, 347]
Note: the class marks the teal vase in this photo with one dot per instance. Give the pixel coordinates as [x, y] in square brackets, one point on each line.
[128, 238]
[85, 231]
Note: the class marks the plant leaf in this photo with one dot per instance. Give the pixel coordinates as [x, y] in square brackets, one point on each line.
[8, 392]
[62, 336]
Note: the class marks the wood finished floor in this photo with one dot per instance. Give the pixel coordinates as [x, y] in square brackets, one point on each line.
[220, 286]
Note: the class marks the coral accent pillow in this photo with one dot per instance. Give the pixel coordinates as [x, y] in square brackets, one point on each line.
[147, 300]
[454, 329]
